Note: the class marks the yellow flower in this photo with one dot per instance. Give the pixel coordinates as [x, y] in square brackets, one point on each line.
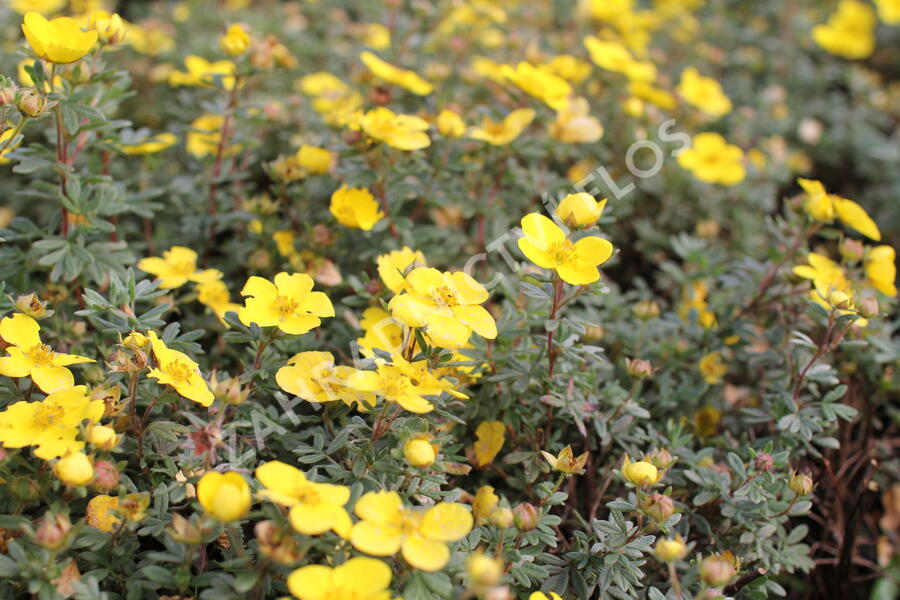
[881, 270]
[822, 206]
[546, 245]
[381, 331]
[45, 7]
[642, 90]
[849, 32]
[235, 41]
[314, 160]
[111, 27]
[483, 570]
[404, 132]
[106, 512]
[176, 369]
[574, 124]
[615, 57]
[314, 507]
[214, 295]
[447, 305]
[500, 133]
[60, 40]
[392, 267]
[177, 266]
[889, 11]
[321, 83]
[484, 504]
[103, 437]
[224, 496]
[406, 79]
[712, 368]
[704, 93]
[571, 68]
[671, 550]
[407, 384]
[706, 421]
[421, 535]
[827, 277]
[711, 159]
[204, 137]
[360, 578]
[202, 73]
[580, 210]
[566, 461]
[640, 473]
[50, 425]
[450, 124]
[490, 436]
[150, 38]
[7, 133]
[314, 377]
[29, 356]
[151, 145]
[539, 82]
[355, 207]
[419, 452]
[377, 36]
[289, 303]
[74, 469]
[543, 596]
[695, 300]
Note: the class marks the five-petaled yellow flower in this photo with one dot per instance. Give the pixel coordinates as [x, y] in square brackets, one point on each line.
[447, 305]
[850, 30]
[421, 535]
[404, 132]
[407, 384]
[704, 93]
[355, 207]
[566, 461]
[29, 356]
[500, 133]
[545, 244]
[360, 578]
[712, 368]
[176, 369]
[177, 266]
[314, 377]
[289, 303]
[50, 425]
[406, 79]
[202, 73]
[314, 507]
[713, 160]
[60, 40]
[822, 206]
[392, 267]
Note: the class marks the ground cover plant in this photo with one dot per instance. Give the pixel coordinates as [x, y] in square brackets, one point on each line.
[465, 299]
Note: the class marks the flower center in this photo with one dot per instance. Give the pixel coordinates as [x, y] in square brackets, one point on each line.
[41, 354]
[445, 296]
[563, 252]
[47, 414]
[179, 371]
[306, 494]
[394, 386]
[184, 267]
[284, 306]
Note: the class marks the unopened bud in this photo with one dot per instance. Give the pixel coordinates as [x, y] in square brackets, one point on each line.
[660, 458]
[526, 516]
[671, 550]
[659, 507]
[764, 462]
[502, 518]
[483, 570]
[852, 249]
[29, 102]
[639, 368]
[184, 531]
[419, 452]
[645, 309]
[106, 476]
[801, 484]
[867, 307]
[24, 489]
[839, 299]
[53, 531]
[7, 90]
[717, 570]
[276, 544]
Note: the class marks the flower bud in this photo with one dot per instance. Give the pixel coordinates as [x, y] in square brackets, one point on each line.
[450, 124]
[110, 27]
[229, 390]
[718, 570]
[580, 210]
[135, 340]
[801, 484]
[671, 550]
[659, 507]
[236, 41]
[638, 368]
[276, 544]
[661, 458]
[526, 516]
[851, 249]
[7, 90]
[184, 531]
[33, 306]
[106, 476]
[314, 160]
[29, 102]
[75, 469]
[839, 299]
[24, 489]
[419, 452]
[103, 437]
[867, 307]
[764, 462]
[707, 229]
[502, 518]
[225, 496]
[484, 571]
[640, 473]
[53, 531]
[646, 310]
